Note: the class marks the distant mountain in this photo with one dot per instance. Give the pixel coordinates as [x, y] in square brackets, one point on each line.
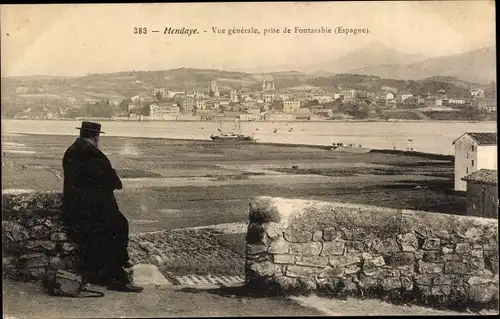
[375, 53]
[477, 66]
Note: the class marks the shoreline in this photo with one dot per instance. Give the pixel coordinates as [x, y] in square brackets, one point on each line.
[256, 121]
[428, 155]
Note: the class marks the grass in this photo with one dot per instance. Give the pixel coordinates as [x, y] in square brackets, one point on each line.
[136, 173]
[200, 251]
[351, 171]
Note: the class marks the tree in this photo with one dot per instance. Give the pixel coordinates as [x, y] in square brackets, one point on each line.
[359, 111]
[159, 96]
[473, 113]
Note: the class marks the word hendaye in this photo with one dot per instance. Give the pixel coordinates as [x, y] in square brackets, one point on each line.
[183, 31]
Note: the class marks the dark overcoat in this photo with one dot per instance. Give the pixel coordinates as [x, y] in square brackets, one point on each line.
[89, 184]
[90, 210]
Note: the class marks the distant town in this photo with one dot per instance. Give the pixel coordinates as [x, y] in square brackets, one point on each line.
[241, 96]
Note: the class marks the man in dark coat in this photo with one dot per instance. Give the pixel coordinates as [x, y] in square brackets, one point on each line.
[91, 213]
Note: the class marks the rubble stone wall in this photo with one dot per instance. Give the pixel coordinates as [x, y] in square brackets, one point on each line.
[33, 236]
[338, 249]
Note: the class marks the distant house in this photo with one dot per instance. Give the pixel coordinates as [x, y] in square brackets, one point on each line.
[482, 193]
[477, 92]
[348, 94]
[401, 97]
[490, 105]
[389, 96]
[474, 151]
[291, 106]
[187, 104]
[456, 101]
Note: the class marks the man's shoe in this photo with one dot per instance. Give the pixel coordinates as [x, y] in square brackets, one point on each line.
[128, 287]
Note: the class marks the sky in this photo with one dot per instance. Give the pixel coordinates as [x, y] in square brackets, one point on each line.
[74, 40]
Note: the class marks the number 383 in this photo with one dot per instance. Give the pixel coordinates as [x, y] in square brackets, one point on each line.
[140, 30]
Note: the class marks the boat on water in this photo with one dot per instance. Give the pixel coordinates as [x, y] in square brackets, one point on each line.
[232, 136]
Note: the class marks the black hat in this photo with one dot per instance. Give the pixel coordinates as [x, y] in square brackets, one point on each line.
[91, 126]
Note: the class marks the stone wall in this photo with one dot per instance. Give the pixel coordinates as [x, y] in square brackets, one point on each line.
[33, 236]
[338, 249]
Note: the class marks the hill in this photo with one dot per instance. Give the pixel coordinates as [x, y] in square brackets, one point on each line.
[375, 53]
[477, 66]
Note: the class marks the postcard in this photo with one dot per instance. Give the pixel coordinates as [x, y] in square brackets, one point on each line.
[249, 159]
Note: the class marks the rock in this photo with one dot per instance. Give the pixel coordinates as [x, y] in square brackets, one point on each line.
[419, 254]
[423, 280]
[331, 233]
[400, 259]
[432, 256]
[368, 281]
[446, 250]
[144, 274]
[40, 245]
[306, 249]
[356, 247]
[462, 248]
[68, 247]
[443, 234]
[40, 232]
[442, 280]
[283, 259]
[332, 272]
[408, 242]
[377, 261]
[344, 261]
[477, 253]
[58, 236]
[455, 268]
[391, 283]
[333, 248]
[273, 230]
[476, 280]
[307, 285]
[318, 235]
[356, 234]
[263, 268]
[389, 245]
[483, 293]
[407, 271]
[352, 269]
[279, 246]
[256, 249]
[432, 244]
[474, 233]
[312, 261]
[297, 235]
[301, 271]
[407, 283]
[389, 272]
[440, 290]
[14, 231]
[475, 264]
[34, 260]
[429, 268]
[493, 261]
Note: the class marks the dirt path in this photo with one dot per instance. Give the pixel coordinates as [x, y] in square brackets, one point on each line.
[24, 300]
[372, 307]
